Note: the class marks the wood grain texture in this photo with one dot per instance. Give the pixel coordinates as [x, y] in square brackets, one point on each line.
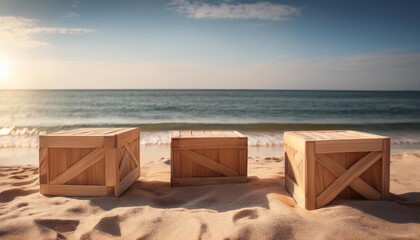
[43, 166]
[353, 145]
[86, 162]
[336, 164]
[77, 168]
[111, 164]
[127, 181]
[358, 184]
[346, 178]
[386, 168]
[198, 181]
[208, 154]
[296, 192]
[208, 163]
[309, 176]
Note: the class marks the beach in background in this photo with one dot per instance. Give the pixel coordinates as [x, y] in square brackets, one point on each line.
[262, 115]
[259, 209]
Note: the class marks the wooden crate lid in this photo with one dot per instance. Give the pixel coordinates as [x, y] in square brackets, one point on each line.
[207, 134]
[89, 137]
[333, 135]
[91, 132]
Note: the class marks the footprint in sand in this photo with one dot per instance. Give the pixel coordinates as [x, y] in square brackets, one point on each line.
[18, 176]
[58, 225]
[20, 205]
[110, 225]
[10, 194]
[76, 210]
[246, 213]
[27, 182]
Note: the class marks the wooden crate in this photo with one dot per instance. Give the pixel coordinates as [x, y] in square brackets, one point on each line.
[322, 166]
[89, 161]
[208, 157]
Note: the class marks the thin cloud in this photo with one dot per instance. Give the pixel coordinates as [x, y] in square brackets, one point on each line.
[226, 10]
[19, 31]
[72, 14]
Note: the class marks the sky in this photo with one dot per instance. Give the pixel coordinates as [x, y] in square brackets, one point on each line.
[226, 44]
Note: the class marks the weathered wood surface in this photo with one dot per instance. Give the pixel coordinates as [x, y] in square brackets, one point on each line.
[321, 166]
[203, 157]
[89, 162]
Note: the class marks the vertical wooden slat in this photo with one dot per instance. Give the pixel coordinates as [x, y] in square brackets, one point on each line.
[111, 166]
[43, 166]
[309, 176]
[243, 162]
[177, 165]
[386, 155]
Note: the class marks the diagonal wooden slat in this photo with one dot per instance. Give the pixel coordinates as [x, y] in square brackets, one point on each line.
[208, 163]
[298, 157]
[358, 184]
[124, 163]
[295, 190]
[131, 154]
[346, 178]
[294, 167]
[43, 165]
[79, 167]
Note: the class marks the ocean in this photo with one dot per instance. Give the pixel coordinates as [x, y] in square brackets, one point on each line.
[261, 114]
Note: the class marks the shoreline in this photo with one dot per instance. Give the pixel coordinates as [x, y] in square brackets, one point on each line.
[150, 153]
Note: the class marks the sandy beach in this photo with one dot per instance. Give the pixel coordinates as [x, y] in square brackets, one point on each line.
[259, 209]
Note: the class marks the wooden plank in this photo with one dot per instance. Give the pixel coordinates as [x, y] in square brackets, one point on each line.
[57, 161]
[238, 134]
[71, 141]
[356, 145]
[124, 167]
[111, 166]
[87, 175]
[80, 166]
[186, 166]
[310, 191]
[75, 154]
[295, 141]
[127, 137]
[296, 192]
[43, 166]
[243, 162]
[73, 190]
[175, 134]
[229, 158]
[358, 184]
[294, 167]
[386, 168]
[132, 155]
[204, 161]
[127, 181]
[351, 158]
[346, 178]
[207, 143]
[212, 154]
[177, 182]
[176, 164]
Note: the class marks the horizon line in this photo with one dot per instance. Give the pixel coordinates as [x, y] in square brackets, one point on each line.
[196, 89]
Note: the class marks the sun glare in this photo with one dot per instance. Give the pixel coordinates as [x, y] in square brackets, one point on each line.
[3, 70]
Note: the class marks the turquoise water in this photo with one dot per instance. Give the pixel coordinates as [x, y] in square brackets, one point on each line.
[263, 115]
